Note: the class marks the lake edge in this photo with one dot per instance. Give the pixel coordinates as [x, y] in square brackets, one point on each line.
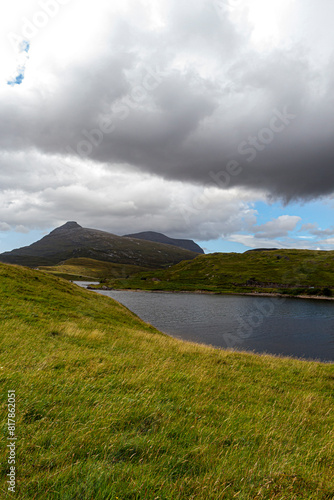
[206, 292]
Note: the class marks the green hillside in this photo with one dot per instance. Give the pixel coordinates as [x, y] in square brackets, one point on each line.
[108, 408]
[87, 269]
[285, 271]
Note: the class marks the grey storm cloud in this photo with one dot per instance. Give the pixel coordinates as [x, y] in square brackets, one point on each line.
[189, 102]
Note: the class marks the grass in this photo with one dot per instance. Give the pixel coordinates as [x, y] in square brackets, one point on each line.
[82, 268]
[290, 272]
[110, 408]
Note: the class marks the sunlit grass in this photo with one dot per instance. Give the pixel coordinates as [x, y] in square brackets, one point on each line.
[83, 268]
[108, 407]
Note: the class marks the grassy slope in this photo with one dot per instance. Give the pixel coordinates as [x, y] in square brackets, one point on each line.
[92, 269]
[226, 272]
[108, 407]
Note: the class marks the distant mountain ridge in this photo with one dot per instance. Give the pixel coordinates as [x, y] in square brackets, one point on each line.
[161, 238]
[71, 241]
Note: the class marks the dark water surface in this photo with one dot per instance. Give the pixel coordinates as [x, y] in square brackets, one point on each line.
[291, 327]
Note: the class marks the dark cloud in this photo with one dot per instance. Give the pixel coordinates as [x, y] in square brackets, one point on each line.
[190, 100]
[170, 123]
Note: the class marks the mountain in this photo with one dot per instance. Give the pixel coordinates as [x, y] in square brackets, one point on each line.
[161, 238]
[71, 241]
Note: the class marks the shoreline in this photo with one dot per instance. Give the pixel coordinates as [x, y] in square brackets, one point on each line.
[206, 292]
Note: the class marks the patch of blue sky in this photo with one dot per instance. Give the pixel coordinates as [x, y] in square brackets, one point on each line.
[222, 245]
[17, 80]
[22, 61]
[319, 212]
[25, 46]
[13, 239]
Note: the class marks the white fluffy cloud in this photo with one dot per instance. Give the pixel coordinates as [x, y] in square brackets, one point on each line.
[277, 228]
[117, 200]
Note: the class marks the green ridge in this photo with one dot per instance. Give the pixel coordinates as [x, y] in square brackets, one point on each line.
[292, 272]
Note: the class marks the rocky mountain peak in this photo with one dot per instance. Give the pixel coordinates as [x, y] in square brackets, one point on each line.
[67, 227]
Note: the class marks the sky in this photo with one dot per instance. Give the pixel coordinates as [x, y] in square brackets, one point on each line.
[211, 120]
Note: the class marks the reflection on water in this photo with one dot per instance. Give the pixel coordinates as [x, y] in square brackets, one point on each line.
[291, 327]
